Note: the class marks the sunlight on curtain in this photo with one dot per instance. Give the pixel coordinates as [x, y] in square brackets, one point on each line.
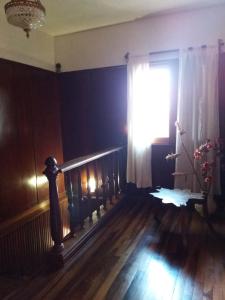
[139, 136]
[148, 115]
[198, 108]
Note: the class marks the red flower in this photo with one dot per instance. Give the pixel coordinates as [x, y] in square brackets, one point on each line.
[206, 147]
[205, 166]
[209, 145]
[197, 154]
[208, 179]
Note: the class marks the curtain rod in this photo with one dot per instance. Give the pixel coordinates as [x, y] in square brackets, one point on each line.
[163, 51]
[202, 46]
[127, 55]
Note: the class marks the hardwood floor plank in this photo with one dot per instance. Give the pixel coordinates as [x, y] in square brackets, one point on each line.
[112, 249]
[105, 246]
[197, 242]
[133, 258]
[132, 241]
[138, 258]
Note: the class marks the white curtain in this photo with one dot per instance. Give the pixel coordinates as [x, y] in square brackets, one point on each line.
[198, 108]
[138, 118]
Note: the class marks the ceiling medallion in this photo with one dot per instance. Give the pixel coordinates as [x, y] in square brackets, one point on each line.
[26, 14]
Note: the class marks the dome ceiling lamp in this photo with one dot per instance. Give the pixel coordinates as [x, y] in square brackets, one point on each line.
[26, 14]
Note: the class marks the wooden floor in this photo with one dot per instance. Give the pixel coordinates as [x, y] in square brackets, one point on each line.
[134, 257]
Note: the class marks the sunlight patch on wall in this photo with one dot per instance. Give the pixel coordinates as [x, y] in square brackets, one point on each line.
[37, 181]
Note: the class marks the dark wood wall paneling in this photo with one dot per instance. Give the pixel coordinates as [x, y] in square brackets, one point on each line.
[29, 132]
[93, 110]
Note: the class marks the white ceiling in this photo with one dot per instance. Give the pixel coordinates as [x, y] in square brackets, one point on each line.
[66, 16]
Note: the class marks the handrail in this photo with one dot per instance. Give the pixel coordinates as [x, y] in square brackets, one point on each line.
[108, 175]
[80, 161]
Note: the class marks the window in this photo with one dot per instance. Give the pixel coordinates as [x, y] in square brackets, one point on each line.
[159, 100]
[154, 110]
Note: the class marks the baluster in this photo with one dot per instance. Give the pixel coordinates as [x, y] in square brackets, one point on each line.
[122, 170]
[71, 204]
[107, 179]
[89, 194]
[80, 198]
[51, 172]
[104, 182]
[116, 174]
[75, 206]
[110, 179]
[96, 190]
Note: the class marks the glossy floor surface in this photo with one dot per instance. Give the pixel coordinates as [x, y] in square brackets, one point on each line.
[135, 257]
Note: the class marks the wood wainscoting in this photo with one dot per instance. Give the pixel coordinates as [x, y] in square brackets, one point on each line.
[30, 131]
[25, 240]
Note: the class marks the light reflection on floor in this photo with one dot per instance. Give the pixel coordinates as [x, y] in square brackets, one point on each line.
[158, 278]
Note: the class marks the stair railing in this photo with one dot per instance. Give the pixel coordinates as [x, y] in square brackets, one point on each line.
[90, 182]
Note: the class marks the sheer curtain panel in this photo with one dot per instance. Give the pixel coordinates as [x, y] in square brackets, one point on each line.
[138, 118]
[198, 108]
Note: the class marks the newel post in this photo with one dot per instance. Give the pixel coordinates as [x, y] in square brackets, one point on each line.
[51, 172]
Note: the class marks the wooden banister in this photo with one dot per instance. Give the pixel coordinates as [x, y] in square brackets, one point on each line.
[105, 168]
[51, 172]
[80, 161]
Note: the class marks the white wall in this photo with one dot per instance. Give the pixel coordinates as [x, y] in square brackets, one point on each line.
[107, 46]
[38, 50]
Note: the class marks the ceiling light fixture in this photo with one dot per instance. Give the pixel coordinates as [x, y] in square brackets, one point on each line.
[26, 14]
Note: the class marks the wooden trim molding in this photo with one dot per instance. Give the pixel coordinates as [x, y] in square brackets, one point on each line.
[26, 216]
